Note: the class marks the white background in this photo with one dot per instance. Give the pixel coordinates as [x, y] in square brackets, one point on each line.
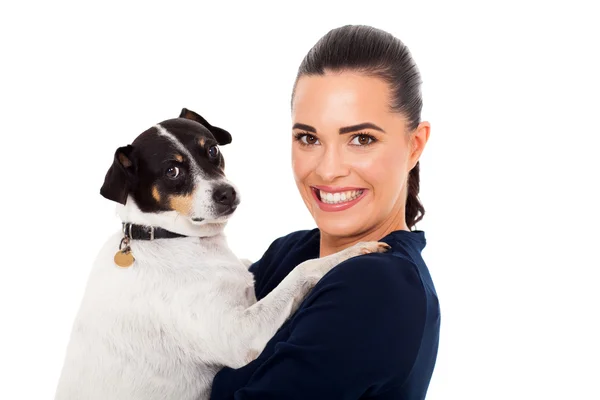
[509, 177]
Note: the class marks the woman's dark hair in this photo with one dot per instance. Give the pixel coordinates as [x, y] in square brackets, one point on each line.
[374, 52]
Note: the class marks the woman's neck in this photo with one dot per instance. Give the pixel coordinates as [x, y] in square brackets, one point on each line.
[332, 244]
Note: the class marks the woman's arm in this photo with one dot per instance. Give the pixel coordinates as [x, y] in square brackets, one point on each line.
[358, 333]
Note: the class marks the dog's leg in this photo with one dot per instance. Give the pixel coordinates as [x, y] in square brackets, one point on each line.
[258, 323]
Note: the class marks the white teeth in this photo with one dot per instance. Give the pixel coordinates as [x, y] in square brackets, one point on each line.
[339, 197]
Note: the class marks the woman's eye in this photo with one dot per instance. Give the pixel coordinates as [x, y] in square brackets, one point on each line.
[172, 172]
[213, 152]
[309, 139]
[362, 140]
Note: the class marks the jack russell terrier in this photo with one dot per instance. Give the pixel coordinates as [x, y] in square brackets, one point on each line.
[167, 303]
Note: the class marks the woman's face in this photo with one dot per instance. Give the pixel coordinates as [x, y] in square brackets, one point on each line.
[351, 154]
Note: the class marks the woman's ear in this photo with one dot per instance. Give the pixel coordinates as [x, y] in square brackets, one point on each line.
[417, 143]
[120, 178]
[223, 137]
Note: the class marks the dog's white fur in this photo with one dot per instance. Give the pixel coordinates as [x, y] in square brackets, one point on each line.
[163, 327]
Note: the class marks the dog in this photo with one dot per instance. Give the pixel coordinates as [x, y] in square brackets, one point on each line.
[167, 303]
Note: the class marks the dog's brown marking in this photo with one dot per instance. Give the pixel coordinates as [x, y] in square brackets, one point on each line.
[126, 162]
[202, 141]
[179, 157]
[156, 194]
[182, 204]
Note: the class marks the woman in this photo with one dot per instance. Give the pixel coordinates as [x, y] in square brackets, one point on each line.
[370, 328]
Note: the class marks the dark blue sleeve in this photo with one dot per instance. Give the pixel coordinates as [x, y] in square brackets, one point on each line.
[357, 334]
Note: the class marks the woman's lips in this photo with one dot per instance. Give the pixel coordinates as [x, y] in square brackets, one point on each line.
[337, 199]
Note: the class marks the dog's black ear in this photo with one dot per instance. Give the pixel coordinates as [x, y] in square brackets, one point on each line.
[223, 137]
[120, 177]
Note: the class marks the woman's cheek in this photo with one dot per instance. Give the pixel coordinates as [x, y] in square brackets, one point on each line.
[382, 171]
[298, 166]
[303, 163]
[370, 168]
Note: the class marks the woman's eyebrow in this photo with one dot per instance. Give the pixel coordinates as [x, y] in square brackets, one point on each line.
[304, 127]
[346, 129]
[360, 127]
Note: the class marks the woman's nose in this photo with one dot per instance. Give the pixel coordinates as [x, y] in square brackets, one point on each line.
[332, 165]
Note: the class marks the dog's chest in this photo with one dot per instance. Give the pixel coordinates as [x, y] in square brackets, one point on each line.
[144, 321]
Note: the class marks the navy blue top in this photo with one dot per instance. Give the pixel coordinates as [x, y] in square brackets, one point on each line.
[368, 330]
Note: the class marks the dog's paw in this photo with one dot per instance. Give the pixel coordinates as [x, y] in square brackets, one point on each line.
[358, 249]
[366, 248]
[373, 247]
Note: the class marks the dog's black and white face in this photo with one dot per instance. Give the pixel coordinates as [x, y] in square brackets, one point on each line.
[175, 169]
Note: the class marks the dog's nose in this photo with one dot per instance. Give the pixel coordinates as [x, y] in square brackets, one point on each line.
[224, 195]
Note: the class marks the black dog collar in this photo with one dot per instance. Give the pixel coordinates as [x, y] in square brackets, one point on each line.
[143, 232]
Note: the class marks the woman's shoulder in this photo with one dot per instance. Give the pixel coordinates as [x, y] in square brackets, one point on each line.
[403, 259]
[399, 274]
[388, 274]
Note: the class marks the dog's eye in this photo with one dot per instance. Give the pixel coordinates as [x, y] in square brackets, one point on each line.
[213, 152]
[172, 172]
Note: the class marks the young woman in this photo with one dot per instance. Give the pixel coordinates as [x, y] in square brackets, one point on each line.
[370, 328]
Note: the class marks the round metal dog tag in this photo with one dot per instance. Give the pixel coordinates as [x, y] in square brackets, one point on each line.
[124, 258]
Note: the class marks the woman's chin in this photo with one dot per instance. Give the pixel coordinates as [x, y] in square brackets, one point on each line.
[337, 226]
[340, 223]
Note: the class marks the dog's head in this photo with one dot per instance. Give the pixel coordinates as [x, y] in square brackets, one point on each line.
[174, 169]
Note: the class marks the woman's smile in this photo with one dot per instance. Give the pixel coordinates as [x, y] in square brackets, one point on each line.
[330, 198]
